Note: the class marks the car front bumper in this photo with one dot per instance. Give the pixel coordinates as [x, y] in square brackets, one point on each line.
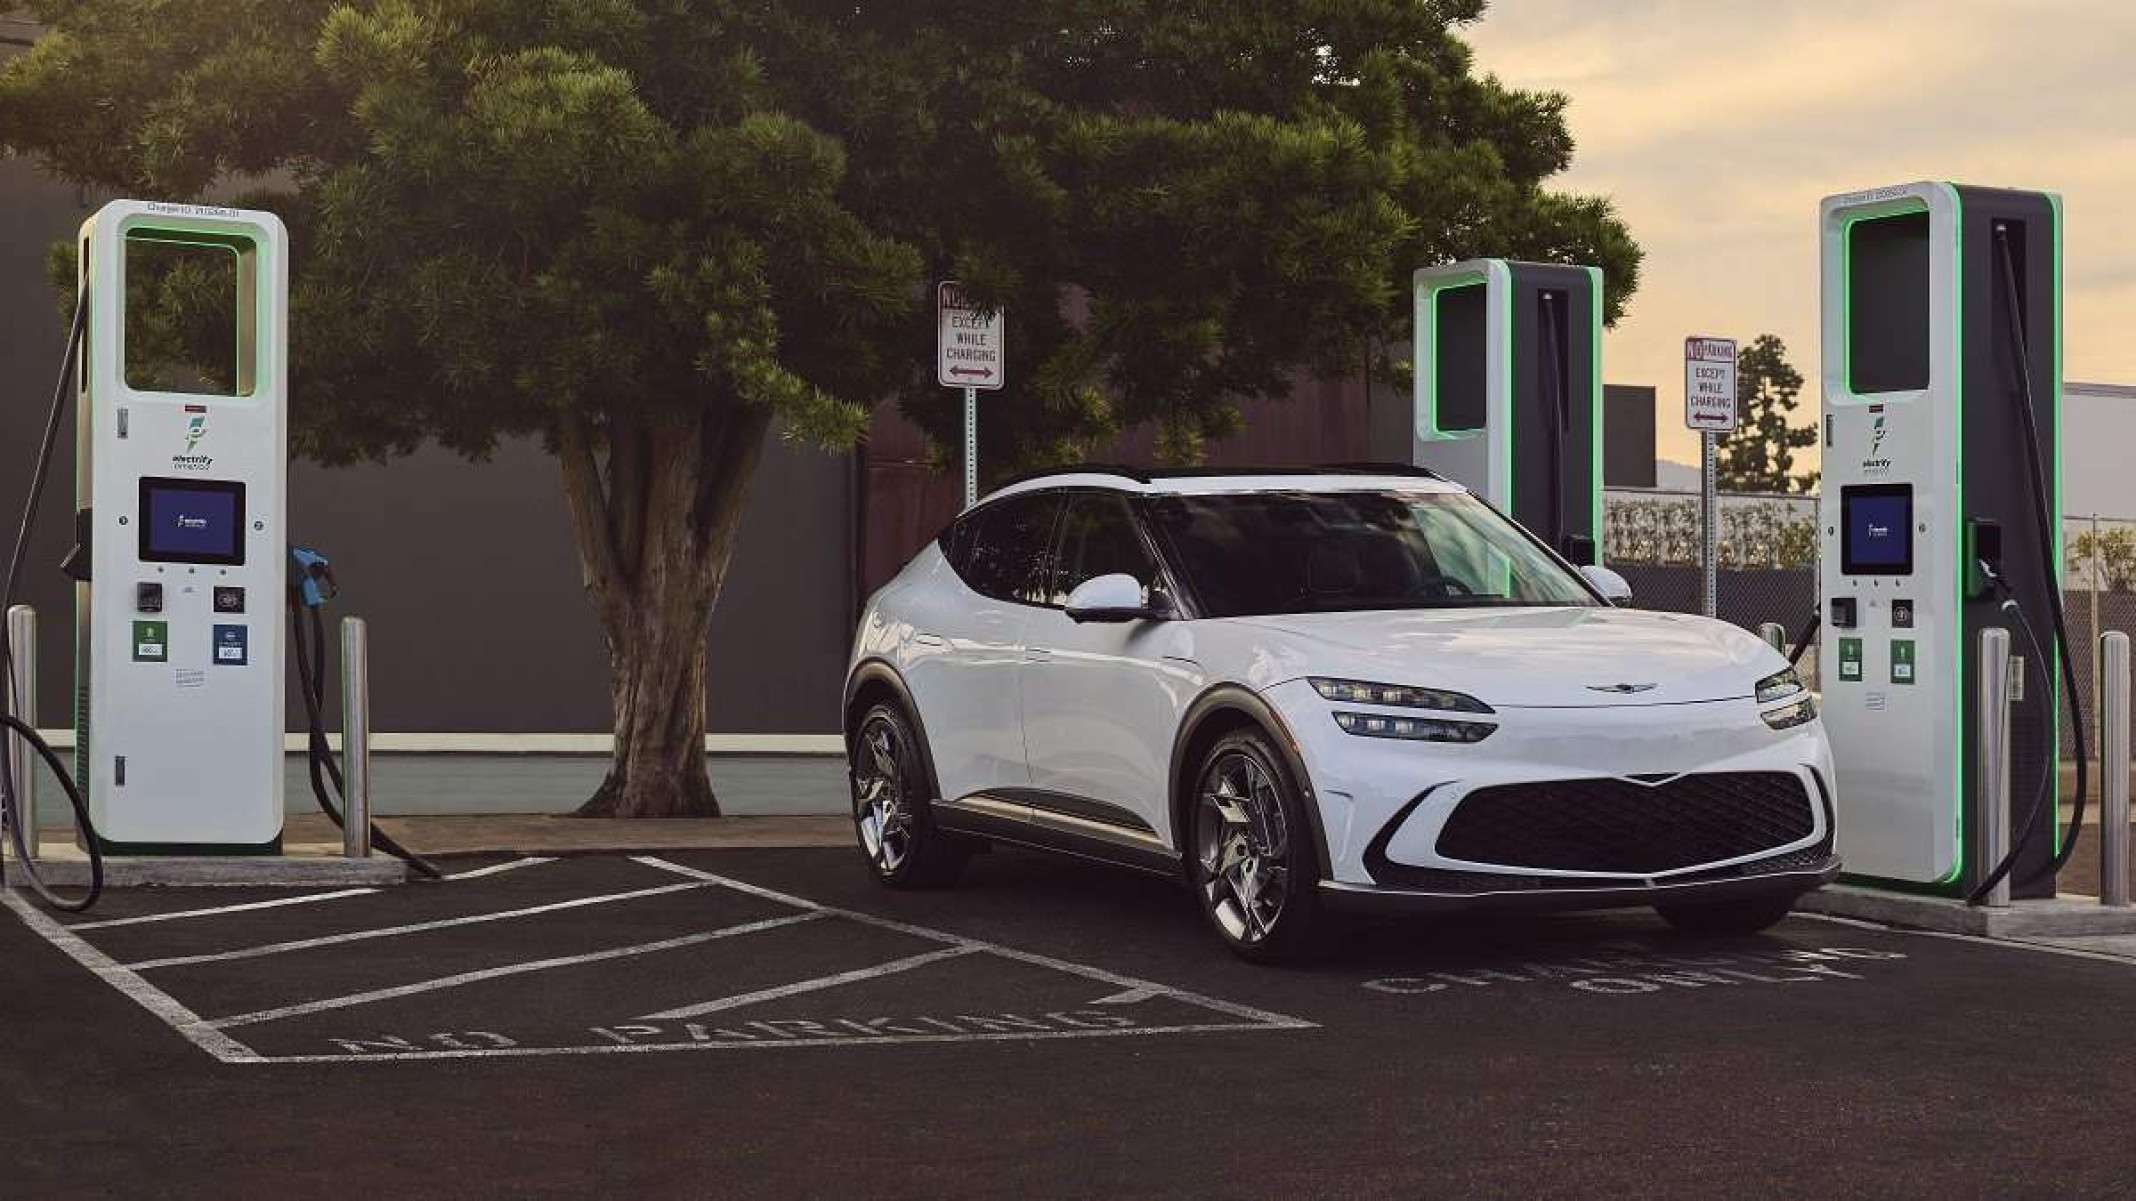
[1489, 893]
[1383, 806]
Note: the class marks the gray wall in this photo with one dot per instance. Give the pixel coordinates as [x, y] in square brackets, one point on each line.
[465, 572]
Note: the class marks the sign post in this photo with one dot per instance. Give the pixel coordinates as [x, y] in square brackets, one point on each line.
[970, 353]
[1709, 408]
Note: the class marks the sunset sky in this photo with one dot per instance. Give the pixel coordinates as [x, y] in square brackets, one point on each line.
[1718, 125]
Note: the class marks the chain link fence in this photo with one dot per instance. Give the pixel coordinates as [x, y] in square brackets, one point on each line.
[1768, 571]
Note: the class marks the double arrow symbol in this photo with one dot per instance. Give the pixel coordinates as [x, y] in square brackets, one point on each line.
[981, 372]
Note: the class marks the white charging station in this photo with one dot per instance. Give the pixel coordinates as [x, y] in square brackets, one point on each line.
[182, 475]
[1928, 377]
[1508, 392]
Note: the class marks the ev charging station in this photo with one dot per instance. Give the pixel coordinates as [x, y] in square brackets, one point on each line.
[181, 484]
[1508, 393]
[1942, 321]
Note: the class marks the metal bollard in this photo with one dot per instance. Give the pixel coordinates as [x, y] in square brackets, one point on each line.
[355, 739]
[2114, 769]
[1775, 635]
[1992, 769]
[22, 647]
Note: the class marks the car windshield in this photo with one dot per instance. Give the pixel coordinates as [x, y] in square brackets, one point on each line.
[1254, 553]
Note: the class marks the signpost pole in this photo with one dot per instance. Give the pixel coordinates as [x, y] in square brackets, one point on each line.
[971, 446]
[971, 354]
[1709, 409]
[1709, 526]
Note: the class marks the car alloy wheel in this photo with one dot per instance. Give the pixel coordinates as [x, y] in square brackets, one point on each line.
[1243, 841]
[882, 806]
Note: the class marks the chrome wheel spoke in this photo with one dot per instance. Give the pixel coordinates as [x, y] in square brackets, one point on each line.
[1242, 838]
[879, 808]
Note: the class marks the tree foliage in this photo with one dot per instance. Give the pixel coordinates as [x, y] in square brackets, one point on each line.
[1760, 455]
[648, 231]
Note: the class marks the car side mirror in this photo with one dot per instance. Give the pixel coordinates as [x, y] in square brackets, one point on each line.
[1115, 597]
[1614, 588]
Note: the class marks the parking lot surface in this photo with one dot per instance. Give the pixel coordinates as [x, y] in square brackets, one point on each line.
[770, 1023]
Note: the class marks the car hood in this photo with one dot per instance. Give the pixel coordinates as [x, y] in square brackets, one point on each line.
[1554, 657]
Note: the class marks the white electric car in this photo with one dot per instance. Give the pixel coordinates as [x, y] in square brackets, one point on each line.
[1320, 690]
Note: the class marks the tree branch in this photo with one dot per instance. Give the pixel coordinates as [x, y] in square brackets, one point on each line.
[589, 509]
[627, 489]
[731, 443]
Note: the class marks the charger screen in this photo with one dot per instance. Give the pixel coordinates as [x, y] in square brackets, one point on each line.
[1876, 529]
[192, 521]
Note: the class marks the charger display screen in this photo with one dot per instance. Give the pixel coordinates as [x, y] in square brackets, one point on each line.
[1876, 529]
[192, 521]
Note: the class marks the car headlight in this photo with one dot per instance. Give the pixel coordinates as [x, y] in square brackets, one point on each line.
[1788, 716]
[1360, 692]
[1414, 729]
[1780, 684]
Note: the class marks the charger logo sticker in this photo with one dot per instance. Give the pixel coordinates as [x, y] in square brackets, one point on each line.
[1874, 463]
[230, 646]
[196, 428]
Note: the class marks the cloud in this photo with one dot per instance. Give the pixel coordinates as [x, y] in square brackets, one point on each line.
[1717, 126]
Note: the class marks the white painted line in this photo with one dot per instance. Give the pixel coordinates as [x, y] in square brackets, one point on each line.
[141, 992]
[1124, 982]
[472, 873]
[2012, 944]
[277, 903]
[755, 890]
[508, 865]
[817, 985]
[305, 944]
[537, 965]
[858, 1041]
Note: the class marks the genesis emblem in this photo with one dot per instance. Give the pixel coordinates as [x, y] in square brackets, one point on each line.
[1622, 689]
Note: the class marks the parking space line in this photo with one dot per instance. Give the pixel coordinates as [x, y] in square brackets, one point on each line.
[277, 903]
[2012, 944]
[537, 965]
[508, 865]
[306, 899]
[141, 992]
[305, 944]
[805, 986]
[885, 1040]
[1125, 982]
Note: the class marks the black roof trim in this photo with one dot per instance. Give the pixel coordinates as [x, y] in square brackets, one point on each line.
[1145, 475]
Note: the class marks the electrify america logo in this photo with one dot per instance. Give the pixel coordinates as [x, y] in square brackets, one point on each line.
[196, 428]
[1876, 463]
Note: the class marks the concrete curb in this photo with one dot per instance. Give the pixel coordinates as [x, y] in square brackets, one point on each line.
[228, 871]
[2066, 916]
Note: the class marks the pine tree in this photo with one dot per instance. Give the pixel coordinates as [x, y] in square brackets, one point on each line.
[1760, 455]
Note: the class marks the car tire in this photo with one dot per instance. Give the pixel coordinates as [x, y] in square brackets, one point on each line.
[1727, 917]
[1232, 863]
[891, 787]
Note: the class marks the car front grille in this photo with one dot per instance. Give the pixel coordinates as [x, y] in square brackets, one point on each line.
[1611, 825]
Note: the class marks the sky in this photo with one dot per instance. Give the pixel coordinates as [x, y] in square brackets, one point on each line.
[1717, 125]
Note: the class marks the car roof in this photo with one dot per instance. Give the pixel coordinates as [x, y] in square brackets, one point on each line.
[1201, 481]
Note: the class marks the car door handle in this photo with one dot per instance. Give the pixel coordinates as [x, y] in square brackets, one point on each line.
[1037, 654]
[930, 640]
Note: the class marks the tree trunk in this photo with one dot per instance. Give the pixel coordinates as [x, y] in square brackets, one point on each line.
[656, 505]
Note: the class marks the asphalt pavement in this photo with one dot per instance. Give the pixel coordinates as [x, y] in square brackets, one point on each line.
[770, 1023]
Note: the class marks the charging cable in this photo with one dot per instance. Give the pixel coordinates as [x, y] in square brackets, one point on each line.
[311, 585]
[14, 808]
[2042, 510]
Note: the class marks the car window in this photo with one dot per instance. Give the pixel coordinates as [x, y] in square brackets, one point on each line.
[1098, 537]
[1008, 556]
[1302, 552]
